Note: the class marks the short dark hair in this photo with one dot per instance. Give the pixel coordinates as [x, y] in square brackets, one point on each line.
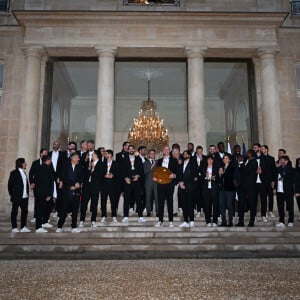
[141, 147]
[151, 150]
[252, 152]
[209, 157]
[282, 150]
[91, 142]
[187, 152]
[83, 141]
[124, 143]
[132, 146]
[109, 151]
[266, 146]
[221, 143]
[98, 153]
[74, 154]
[212, 146]
[199, 147]
[175, 146]
[19, 162]
[285, 157]
[42, 150]
[257, 144]
[191, 144]
[236, 146]
[73, 143]
[45, 158]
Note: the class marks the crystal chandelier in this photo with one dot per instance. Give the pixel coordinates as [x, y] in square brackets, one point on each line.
[148, 129]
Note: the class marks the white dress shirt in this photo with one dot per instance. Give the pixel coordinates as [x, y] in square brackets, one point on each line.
[24, 179]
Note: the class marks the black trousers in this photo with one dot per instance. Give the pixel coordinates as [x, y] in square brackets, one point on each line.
[23, 204]
[43, 210]
[252, 201]
[111, 192]
[89, 192]
[211, 200]
[59, 202]
[70, 202]
[198, 196]
[289, 199]
[261, 190]
[187, 203]
[241, 203]
[35, 207]
[165, 192]
[134, 188]
[270, 197]
[298, 202]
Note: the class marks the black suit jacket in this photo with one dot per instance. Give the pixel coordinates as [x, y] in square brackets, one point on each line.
[270, 171]
[227, 179]
[110, 183]
[33, 170]
[189, 174]
[61, 163]
[44, 181]
[204, 179]
[249, 173]
[16, 186]
[70, 177]
[288, 175]
[96, 176]
[127, 170]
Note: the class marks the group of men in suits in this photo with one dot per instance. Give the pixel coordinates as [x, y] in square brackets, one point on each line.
[68, 180]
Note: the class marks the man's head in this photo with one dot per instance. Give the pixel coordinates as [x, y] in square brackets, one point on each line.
[131, 150]
[166, 151]
[199, 150]
[102, 151]
[125, 146]
[142, 150]
[21, 163]
[176, 153]
[190, 147]
[186, 154]
[56, 145]
[43, 152]
[221, 147]
[90, 145]
[237, 150]
[284, 160]
[46, 159]
[281, 152]
[176, 146]
[109, 154]
[264, 149]
[256, 148]
[72, 147]
[83, 146]
[251, 153]
[151, 154]
[212, 150]
[74, 157]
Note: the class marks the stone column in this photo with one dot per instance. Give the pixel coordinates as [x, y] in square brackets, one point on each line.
[105, 98]
[270, 100]
[29, 118]
[196, 97]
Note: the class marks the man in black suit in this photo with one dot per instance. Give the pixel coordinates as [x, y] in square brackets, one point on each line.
[32, 172]
[119, 159]
[200, 159]
[187, 175]
[44, 184]
[191, 148]
[18, 189]
[285, 191]
[83, 151]
[91, 188]
[70, 183]
[212, 151]
[165, 191]
[109, 179]
[270, 175]
[132, 173]
[58, 159]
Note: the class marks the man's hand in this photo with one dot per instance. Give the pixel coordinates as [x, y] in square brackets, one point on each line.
[172, 176]
[60, 185]
[154, 179]
[48, 198]
[127, 180]
[110, 175]
[77, 185]
[136, 177]
[181, 185]
[32, 186]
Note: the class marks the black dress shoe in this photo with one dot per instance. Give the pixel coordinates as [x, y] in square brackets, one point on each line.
[230, 225]
[240, 224]
[175, 215]
[222, 225]
[148, 214]
[251, 224]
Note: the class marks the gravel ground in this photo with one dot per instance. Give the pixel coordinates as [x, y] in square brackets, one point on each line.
[150, 279]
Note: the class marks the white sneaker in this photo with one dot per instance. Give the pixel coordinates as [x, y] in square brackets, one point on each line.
[184, 225]
[208, 224]
[158, 224]
[192, 224]
[171, 225]
[271, 215]
[130, 211]
[25, 229]
[75, 230]
[47, 225]
[280, 225]
[141, 220]
[58, 230]
[15, 230]
[33, 220]
[94, 225]
[180, 212]
[145, 211]
[103, 220]
[125, 220]
[220, 219]
[114, 220]
[264, 219]
[198, 215]
[81, 224]
[290, 224]
[214, 225]
[41, 230]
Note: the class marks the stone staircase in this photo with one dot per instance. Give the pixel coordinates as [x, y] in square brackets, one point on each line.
[136, 240]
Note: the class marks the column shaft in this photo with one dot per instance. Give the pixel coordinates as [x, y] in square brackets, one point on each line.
[29, 118]
[196, 97]
[105, 99]
[270, 100]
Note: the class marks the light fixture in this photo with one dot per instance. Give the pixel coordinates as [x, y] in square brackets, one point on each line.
[148, 129]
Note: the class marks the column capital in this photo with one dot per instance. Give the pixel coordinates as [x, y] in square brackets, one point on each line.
[267, 52]
[34, 51]
[194, 51]
[106, 51]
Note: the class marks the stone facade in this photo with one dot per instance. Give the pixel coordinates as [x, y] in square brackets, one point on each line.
[40, 30]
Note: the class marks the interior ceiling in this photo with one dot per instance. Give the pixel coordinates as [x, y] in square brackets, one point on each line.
[167, 78]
